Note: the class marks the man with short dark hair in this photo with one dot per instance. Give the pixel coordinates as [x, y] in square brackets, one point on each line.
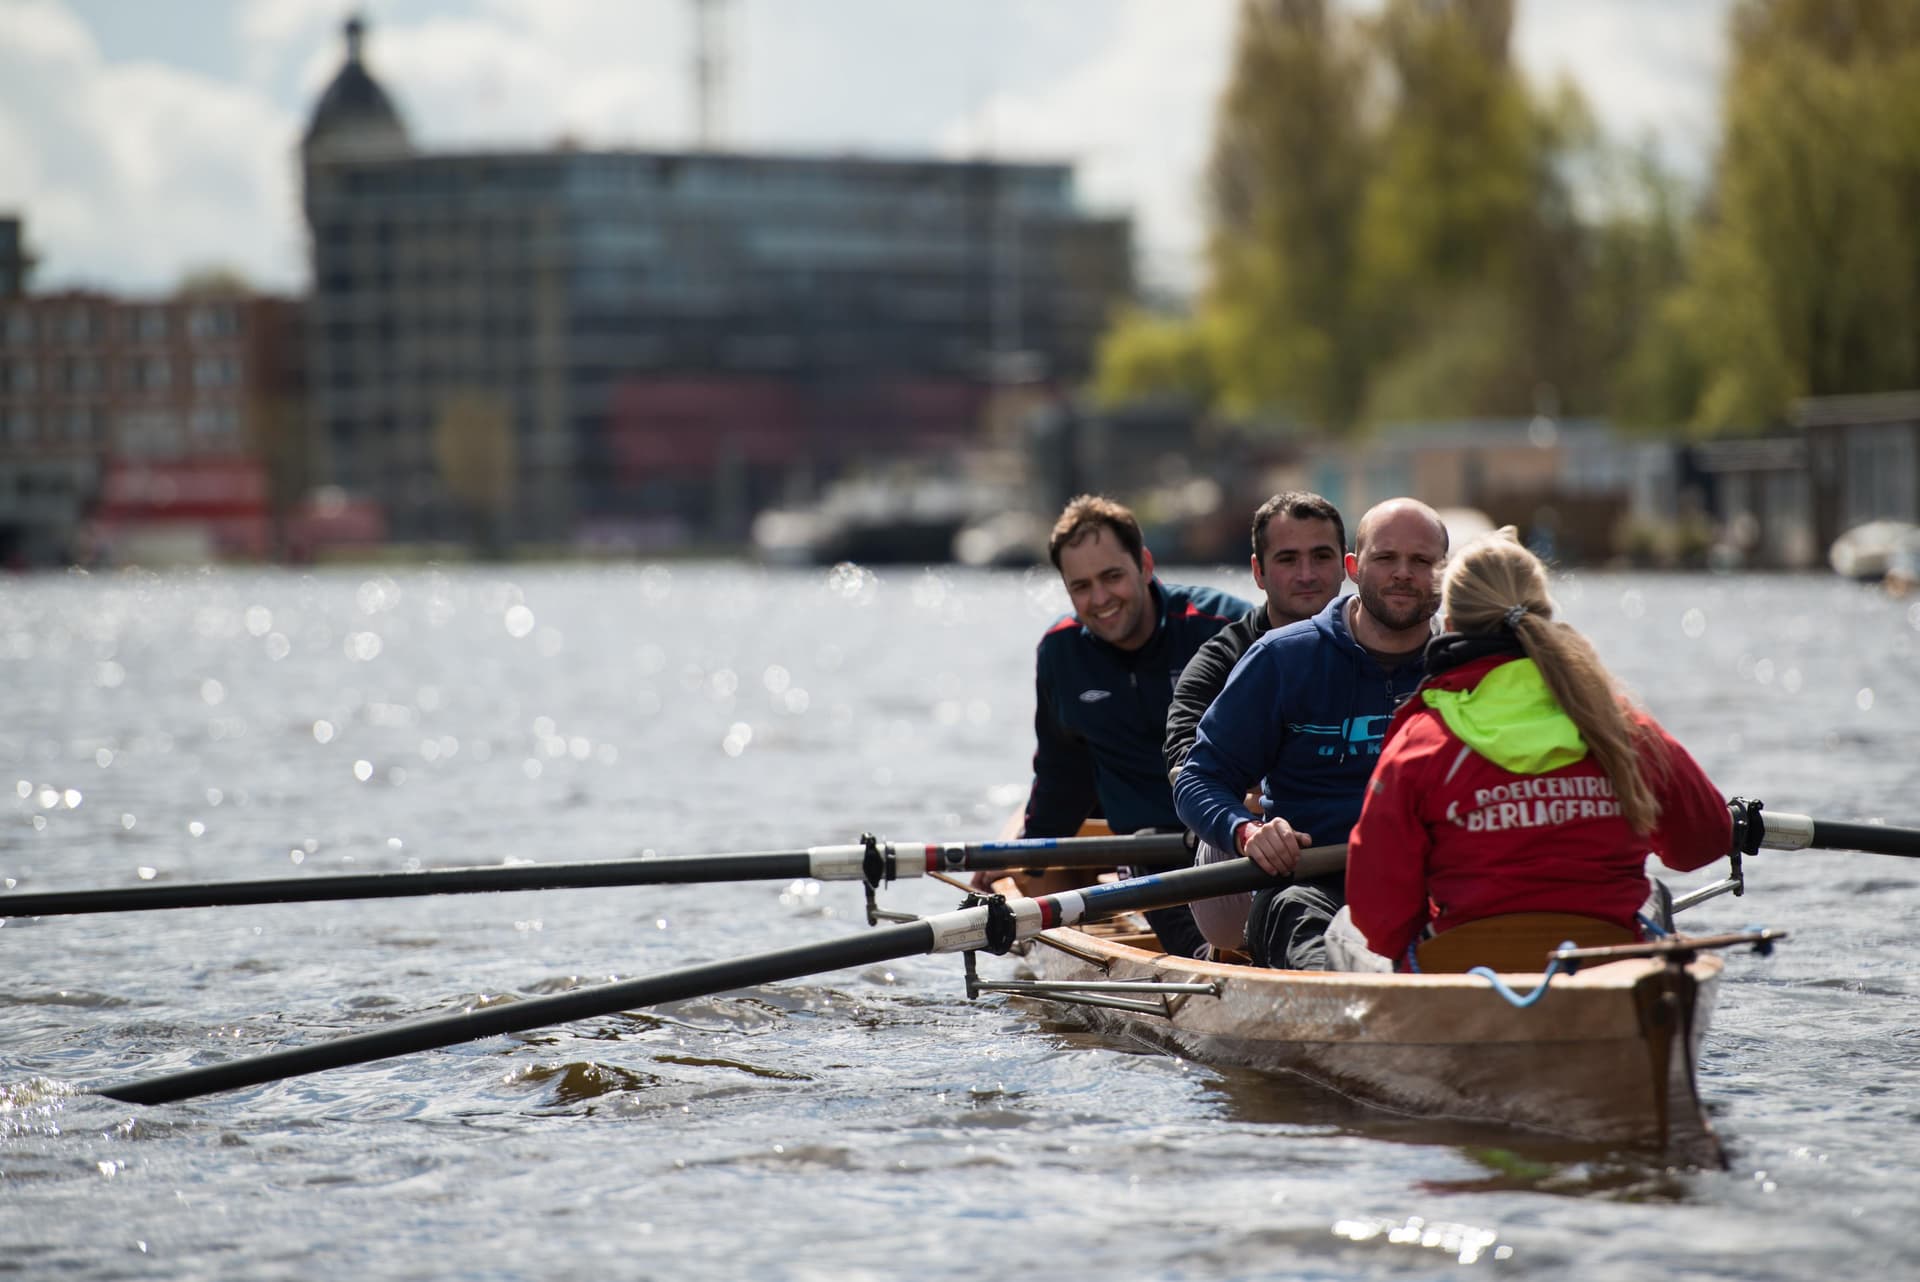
[1104, 678]
[1298, 562]
[1305, 713]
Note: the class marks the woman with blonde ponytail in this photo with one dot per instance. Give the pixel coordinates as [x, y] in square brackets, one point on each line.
[1518, 779]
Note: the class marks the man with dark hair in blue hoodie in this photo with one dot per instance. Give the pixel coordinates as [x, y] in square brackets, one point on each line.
[1304, 714]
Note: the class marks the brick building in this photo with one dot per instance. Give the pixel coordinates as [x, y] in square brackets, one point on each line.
[131, 427]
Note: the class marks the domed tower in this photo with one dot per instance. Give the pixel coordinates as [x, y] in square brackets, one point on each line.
[355, 119]
[354, 134]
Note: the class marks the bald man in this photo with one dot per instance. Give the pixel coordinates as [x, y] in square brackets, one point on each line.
[1304, 715]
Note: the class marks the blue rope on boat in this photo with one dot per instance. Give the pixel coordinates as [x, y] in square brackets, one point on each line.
[1520, 1002]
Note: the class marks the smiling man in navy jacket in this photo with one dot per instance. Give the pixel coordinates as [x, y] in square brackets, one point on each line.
[1104, 680]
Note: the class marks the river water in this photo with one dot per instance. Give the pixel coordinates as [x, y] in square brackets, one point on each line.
[868, 1124]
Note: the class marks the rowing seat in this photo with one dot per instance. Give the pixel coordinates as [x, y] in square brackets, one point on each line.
[1514, 941]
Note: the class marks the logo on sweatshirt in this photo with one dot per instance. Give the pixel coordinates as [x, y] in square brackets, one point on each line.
[1095, 696]
[1354, 737]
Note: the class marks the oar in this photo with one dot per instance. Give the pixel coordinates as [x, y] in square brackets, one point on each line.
[1780, 830]
[994, 925]
[874, 862]
[1754, 826]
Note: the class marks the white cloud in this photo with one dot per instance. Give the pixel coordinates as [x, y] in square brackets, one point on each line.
[477, 81]
[270, 30]
[1648, 68]
[131, 172]
[128, 174]
[1137, 116]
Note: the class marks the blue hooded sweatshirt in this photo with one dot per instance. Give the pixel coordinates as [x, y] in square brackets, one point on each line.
[1305, 713]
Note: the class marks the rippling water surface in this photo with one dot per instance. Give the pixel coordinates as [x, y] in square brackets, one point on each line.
[860, 1124]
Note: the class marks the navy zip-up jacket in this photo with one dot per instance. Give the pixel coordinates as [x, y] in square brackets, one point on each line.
[1305, 713]
[1100, 715]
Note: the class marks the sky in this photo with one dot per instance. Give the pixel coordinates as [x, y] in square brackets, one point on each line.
[144, 139]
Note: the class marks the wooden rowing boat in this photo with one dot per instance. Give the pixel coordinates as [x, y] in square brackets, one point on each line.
[1608, 1054]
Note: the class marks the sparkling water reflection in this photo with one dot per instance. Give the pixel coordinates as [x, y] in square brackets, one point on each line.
[871, 1123]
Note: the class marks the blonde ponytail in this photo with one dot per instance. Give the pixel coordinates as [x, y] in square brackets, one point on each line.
[1495, 583]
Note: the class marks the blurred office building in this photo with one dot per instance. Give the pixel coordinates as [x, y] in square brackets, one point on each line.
[546, 346]
[143, 429]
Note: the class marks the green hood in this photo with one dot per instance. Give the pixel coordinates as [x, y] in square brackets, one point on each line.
[1511, 719]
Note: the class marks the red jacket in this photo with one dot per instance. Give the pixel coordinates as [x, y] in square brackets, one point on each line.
[1446, 836]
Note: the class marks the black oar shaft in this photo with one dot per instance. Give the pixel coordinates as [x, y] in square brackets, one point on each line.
[1146, 850]
[394, 885]
[508, 1017]
[1878, 839]
[949, 932]
[835, 863]
[1781, 830]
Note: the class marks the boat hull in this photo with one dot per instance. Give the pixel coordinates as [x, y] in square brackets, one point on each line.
[1607, 1055]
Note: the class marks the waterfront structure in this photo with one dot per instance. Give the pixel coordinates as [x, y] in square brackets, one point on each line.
[145, 428]
[1577, 488]
[531, 345]
[1865, 456]
[1843, 462]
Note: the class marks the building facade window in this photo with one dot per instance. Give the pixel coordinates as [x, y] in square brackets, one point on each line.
[149, 434]
[216, 425]
[216, 371]
[212, 320]
[1881, 467]
[83, 425]
[83, 375]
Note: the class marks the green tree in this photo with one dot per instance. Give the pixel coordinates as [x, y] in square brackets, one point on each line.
[1806, 275]
[1146, 355]
[474, 445]
[1645, 370]
[1395, 230]
[1473, 252]
[1288, 174]
[213, 280]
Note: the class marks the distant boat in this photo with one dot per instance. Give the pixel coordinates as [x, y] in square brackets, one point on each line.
[1903, 567]
[877, 523]
[1005, 540]
[1868, 552]
[1465, 524]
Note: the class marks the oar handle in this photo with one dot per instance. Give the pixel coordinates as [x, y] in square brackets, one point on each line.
[1180, 886]
[1782, 830]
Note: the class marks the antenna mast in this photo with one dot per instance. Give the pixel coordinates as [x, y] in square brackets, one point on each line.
[709, 72]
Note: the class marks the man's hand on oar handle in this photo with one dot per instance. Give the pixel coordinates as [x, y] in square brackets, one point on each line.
[1272, 843]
